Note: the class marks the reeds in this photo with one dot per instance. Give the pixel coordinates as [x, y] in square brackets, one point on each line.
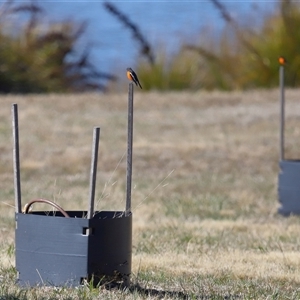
[145, 48]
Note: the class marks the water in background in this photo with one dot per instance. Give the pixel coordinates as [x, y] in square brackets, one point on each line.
[164, 23]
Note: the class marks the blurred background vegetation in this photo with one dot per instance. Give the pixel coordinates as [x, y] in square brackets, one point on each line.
[243, 57]
[35, 57]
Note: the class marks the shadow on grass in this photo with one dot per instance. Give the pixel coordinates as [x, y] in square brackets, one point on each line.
[162, 294]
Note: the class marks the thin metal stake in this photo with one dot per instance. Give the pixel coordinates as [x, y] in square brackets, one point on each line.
[16, 157]
[282, 114]
[93, 175]
[129, 149]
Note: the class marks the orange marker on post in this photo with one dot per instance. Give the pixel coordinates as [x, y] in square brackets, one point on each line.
[282, 60]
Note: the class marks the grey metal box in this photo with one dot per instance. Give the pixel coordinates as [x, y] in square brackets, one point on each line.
[54, 250]
[289, 187]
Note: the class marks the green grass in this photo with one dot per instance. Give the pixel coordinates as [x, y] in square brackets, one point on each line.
[204, 199]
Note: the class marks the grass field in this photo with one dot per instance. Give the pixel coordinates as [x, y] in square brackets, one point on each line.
[205, 166]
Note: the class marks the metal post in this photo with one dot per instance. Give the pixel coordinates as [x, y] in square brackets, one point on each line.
[16, 157]
[282, 114]
[93, 175]
[129, 149]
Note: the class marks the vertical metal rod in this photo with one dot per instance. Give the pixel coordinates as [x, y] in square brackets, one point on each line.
[93, 174]
[129, 149]
[16, 157]
[282, 113]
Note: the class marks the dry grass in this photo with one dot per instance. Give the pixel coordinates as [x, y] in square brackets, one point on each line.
[204, 188]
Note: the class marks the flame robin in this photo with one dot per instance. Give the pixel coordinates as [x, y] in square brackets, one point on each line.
[282, 60]
[133, 77]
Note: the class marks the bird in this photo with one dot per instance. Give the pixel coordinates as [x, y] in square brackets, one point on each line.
[282, 60]
[133, 77]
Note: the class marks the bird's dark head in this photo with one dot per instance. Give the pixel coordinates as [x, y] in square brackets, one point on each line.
[129, 69]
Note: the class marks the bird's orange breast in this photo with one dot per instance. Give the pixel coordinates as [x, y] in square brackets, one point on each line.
[129, 75]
